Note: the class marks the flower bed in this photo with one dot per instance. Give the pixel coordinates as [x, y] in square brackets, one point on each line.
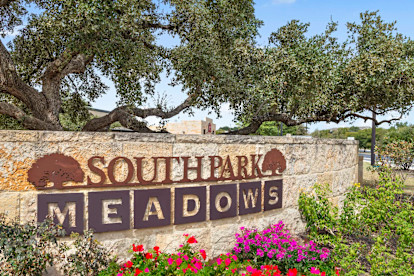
[269, 252]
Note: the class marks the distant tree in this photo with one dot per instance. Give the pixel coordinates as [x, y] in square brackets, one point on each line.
[364, 138]
[362, 135]
[226, 129]
[274, 129]
[400, 132]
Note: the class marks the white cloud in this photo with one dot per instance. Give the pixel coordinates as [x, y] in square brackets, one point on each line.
[277, 2]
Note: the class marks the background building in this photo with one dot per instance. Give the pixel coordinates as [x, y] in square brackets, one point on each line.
[192, 127]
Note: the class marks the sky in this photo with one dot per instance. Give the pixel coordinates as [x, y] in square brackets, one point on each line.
[276, 13]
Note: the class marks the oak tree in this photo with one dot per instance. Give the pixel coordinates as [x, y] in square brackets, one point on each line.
[299, 78]
[66, 48]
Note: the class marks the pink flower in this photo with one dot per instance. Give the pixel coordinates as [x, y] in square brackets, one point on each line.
[227, 262]
[250, 269]
[185, 257]
[146, 270]
[234, 257]
[314, 270]
[219, 261]
[198, 265]
[170, 261]
[178, 261]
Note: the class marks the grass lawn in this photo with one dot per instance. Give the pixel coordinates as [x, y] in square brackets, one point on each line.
[370, 178]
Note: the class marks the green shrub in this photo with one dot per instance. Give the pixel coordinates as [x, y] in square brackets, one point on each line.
[88, 258]
[399, 153]
[374, 231]
[28, 249]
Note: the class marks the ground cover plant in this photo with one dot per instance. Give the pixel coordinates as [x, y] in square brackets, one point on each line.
[373, 234]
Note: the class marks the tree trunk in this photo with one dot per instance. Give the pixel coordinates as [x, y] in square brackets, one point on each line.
[373, 132]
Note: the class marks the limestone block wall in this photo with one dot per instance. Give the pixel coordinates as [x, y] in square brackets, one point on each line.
[308, 161]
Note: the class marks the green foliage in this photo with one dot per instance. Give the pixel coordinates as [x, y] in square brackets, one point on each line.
[7, 122]
[273, 129]
[10, 15]
[120, 41]
[304, 78]
[67, 47]
[88, 258]
[399, 153]
[28, 249]
[362, 135]
[75, 112]
[373, 232]
[226, 129]
[400, 132]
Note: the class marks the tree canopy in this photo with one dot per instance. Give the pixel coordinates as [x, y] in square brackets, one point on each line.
[301, 78]
[61, 55]
[65, 49]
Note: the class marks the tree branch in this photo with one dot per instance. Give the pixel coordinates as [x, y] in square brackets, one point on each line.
[11, 83]
[159, 112]
[4, 3]
[365, 118]
[286, 119]
[150, 25]
[128, 35]
[67, 63]
[28, 121]
[125, 115]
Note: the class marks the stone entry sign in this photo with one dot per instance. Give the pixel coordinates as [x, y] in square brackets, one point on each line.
[111, 211]
[152, 188]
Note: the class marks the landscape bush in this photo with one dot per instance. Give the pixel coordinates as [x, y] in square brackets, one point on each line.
[398, 153]
[27, 249]
[30, 248]
[86, 256]
[373, 234]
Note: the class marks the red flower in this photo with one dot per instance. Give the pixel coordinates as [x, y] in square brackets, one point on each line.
[157, 249]
[148, 256]
[137, 248]
[292, 272]
[137, 272]
[203, 254]
[128, 264]
[192, 240]
[323, 273]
